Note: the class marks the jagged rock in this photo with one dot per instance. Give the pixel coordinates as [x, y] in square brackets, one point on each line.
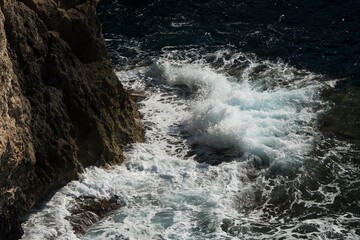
[87, 211]
[61, 105]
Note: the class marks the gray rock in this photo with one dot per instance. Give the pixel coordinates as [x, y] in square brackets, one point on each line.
[87, 211]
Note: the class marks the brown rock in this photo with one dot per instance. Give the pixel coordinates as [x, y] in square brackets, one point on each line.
[61, 106]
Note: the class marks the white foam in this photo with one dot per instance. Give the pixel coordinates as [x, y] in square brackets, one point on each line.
[170, 196]
[277, 123]
[166, 195]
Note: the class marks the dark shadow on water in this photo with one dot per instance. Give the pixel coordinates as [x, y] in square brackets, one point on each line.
[41, 204]
[320, 36]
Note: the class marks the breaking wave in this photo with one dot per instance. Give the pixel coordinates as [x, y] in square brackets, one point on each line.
[264, 113]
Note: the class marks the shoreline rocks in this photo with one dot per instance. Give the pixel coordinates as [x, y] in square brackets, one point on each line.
[87, 211]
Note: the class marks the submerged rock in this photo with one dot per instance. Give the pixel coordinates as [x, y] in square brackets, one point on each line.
[62, 107]
[89, 210]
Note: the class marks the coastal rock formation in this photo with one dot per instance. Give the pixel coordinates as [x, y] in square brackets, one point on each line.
[61, 106]
[87, 211]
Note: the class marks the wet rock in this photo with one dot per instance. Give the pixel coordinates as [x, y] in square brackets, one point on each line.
[62, 107]
[10, 226]
[89, 210]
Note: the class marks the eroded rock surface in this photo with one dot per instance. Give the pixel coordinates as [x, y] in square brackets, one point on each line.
[87, 211]
[61, 105]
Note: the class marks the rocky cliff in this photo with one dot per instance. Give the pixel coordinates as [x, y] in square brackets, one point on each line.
[61, 105]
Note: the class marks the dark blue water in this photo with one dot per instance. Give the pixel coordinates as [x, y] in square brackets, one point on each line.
[321, 37]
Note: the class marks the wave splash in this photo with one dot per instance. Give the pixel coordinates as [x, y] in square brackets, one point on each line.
[231, 112]
[168, 194]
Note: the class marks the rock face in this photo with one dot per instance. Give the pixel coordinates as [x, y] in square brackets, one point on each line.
[61, 106]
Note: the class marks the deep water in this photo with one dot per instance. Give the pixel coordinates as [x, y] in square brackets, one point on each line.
[252, 121]
[320, 36]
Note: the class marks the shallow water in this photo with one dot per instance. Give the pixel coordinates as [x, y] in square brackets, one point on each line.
[234, 147]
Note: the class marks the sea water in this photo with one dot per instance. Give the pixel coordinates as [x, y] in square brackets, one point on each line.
[169, 184]
[233, 98]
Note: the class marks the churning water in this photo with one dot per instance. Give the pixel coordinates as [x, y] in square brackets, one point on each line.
[233, 145]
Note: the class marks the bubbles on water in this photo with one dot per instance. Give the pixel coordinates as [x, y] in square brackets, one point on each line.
[278, 184]
[278, 123]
